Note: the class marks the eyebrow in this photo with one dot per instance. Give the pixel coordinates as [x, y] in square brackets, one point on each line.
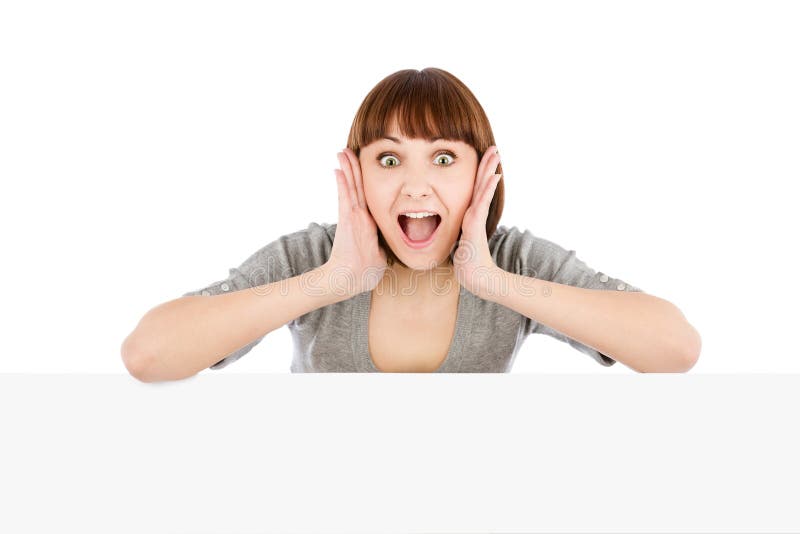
[396, 140]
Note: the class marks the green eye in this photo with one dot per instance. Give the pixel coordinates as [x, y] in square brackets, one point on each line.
[380, 158]
[392, 157]
[444, 155]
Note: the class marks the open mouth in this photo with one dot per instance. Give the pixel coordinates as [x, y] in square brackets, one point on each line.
[419, 232]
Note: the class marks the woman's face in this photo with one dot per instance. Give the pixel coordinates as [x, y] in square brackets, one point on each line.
[417, 175]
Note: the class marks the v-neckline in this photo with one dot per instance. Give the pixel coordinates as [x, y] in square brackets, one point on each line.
[451, 362]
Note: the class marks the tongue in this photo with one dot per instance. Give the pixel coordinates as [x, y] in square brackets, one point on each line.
[420, 229]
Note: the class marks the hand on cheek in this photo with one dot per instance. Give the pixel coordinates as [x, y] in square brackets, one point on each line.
[356, 260]
[472, 260]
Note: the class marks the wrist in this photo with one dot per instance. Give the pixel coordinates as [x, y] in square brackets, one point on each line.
[338, 281]
[321, 283]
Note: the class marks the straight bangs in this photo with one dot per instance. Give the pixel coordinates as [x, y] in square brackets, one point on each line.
[424, 105]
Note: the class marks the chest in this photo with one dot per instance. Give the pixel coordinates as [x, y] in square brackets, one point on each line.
[404, 337]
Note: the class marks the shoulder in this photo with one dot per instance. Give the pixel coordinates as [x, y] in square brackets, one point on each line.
[288, 255]
[520, 251]
[505, 238]
[291, 254]
[315, 231]
[309, 247]
[318, 238]
[517, 249]
[315, 235]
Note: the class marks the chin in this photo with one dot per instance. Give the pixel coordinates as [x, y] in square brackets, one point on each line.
[428, 258]
[419, 264]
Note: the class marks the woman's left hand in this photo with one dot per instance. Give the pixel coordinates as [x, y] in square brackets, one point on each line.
[472, 260]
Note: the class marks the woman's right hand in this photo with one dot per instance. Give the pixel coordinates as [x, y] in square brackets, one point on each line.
[356, 263]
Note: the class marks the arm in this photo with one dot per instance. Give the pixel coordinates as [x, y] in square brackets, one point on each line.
[180, 338]
[644, 332]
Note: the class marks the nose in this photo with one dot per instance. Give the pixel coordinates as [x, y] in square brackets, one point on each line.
[417, 195]
[416, 187]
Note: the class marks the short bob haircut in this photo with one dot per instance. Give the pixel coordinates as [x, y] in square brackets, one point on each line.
[426, 104]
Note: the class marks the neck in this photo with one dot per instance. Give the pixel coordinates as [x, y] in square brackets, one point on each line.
[402, 281]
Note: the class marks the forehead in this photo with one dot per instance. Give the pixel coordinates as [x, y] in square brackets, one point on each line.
[394, 136]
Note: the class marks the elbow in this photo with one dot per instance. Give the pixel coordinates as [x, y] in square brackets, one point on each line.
[687, 346]
[691, 353]
[677, 360]
[682, 362]
[143, 365]
[136, 360]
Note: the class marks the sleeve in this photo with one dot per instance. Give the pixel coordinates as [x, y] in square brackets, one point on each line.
[530, 255]
[288, 256]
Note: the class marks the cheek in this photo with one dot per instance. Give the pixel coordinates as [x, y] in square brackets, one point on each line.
[460, 197]
[369, 189]
[378, 201]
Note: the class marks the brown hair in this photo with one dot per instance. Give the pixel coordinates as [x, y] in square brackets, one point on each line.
[426, 104]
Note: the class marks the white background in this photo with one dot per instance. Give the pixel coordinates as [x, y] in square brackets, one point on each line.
[147, 147]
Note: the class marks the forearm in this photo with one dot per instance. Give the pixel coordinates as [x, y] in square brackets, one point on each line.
[181, 337]
[643, 332]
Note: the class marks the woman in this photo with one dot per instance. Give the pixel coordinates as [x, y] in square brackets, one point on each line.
[416, 276]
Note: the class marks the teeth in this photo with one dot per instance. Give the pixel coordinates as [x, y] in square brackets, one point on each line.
[420, 214]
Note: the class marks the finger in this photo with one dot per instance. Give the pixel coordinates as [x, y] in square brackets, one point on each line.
[351, 190]
[488, 192]
[348, 169]
[485, 160]
[486, 169]
[344, 197]
[356, 169]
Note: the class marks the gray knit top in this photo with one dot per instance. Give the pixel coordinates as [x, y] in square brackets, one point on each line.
[487, 335]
